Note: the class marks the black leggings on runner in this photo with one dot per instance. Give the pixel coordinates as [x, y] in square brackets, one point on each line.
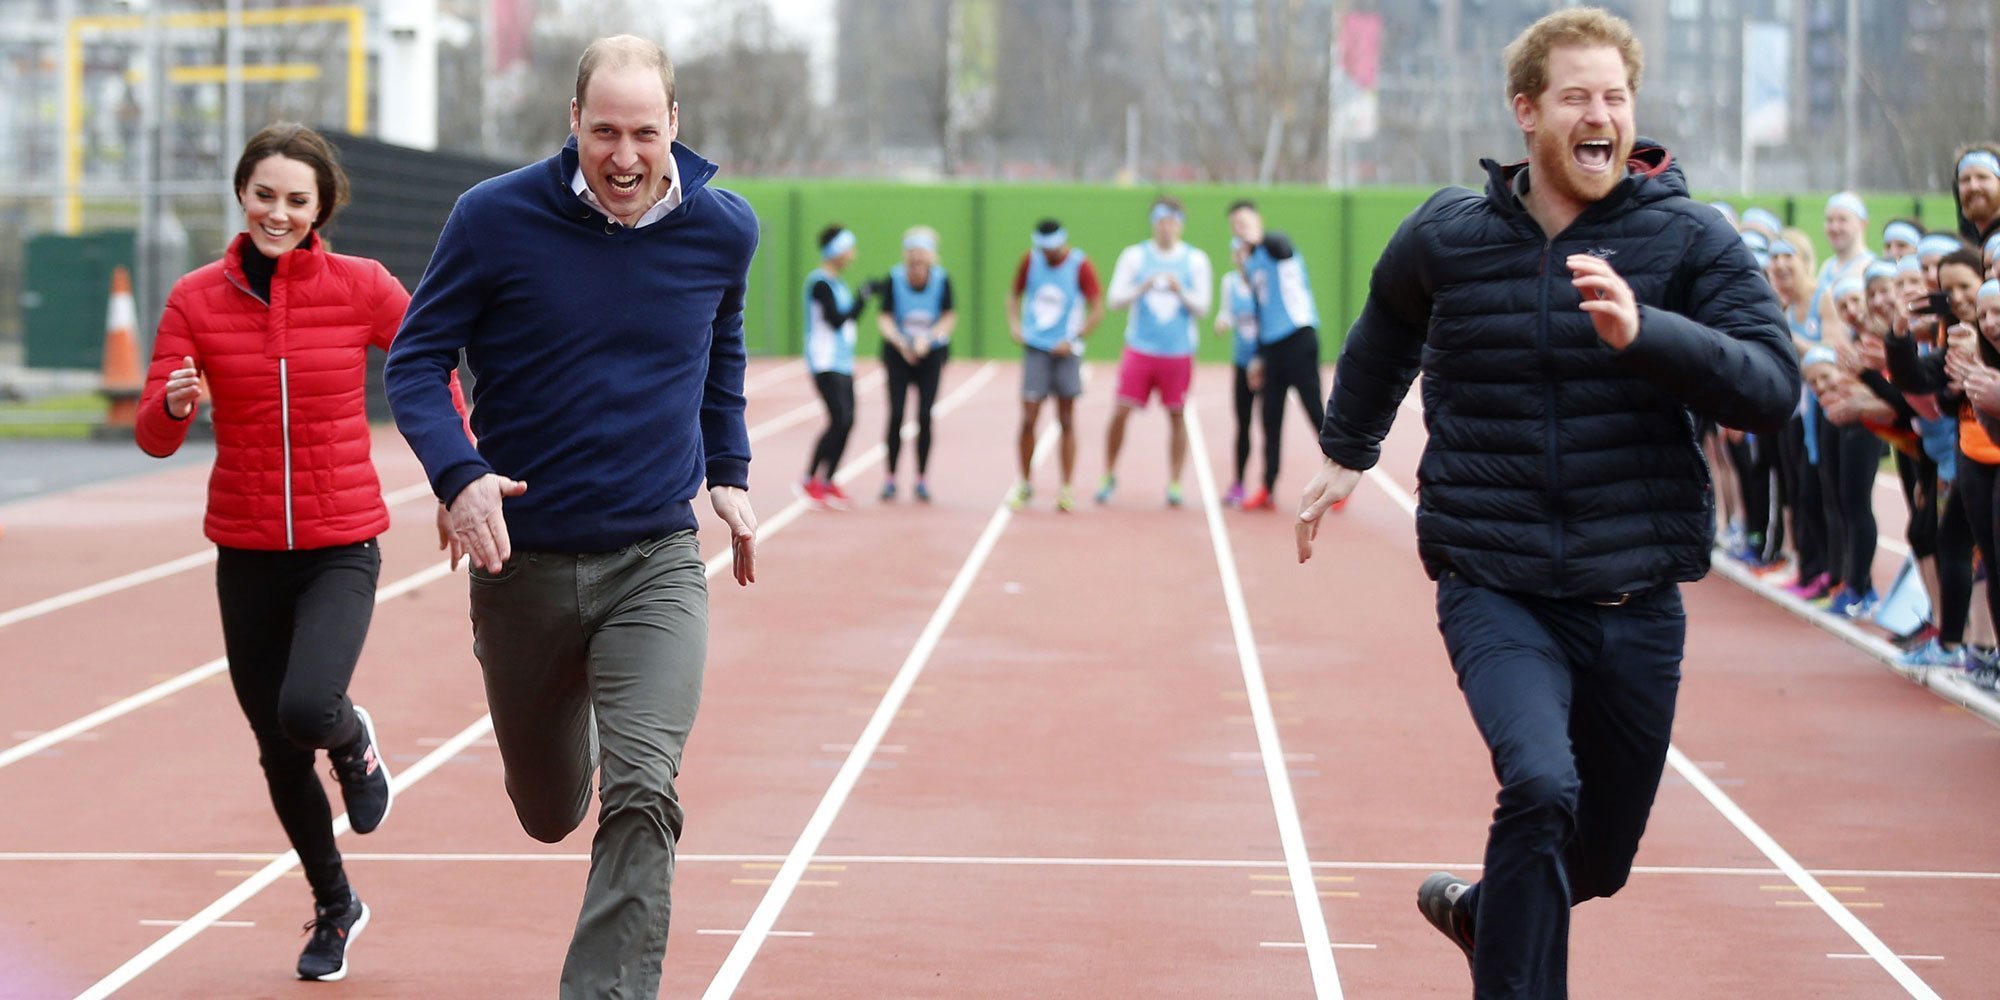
[1290, 365]
[1756, 462]
[1246, 405]
[837, 389]
[1849, 459]
[925, 375]
[293, 624]
[1939, 531]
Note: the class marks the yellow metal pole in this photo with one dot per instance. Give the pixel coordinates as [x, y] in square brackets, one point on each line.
[357, 72]
[72, 151]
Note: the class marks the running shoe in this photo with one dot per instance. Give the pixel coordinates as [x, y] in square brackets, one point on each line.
[922, 492]
[1233, 498]
[1065, 500]
[1438, 900]
[1927, 656]
[812, 491]
[834, 497]
[1260, 500]
[1022, 493]
[1844, 602]
[1173, 494]
[1105, 487]
[330, 931]
[1813, 589]
[363, 777]
[888, 491]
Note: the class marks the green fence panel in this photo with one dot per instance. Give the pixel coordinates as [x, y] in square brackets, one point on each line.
[66, 293]
[1373, 215]
[770, 316]
[1939, 212]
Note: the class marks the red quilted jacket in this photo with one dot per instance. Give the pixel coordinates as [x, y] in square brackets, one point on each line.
[287, 381]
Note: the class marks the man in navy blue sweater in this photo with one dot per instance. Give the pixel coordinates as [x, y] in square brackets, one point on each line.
[598, 297]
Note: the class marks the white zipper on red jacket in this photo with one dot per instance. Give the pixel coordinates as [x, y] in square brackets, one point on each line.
[285, 420]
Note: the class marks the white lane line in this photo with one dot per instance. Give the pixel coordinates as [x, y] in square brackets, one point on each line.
[1291, 834]
[1300, 944]
[171, 686]
[730, 975]
[1811, 886]
[126, 706]
[732, 933]
[1841, 915]
[479, 729]
[161, 571]
[1906, 958]
[393, 499]
[185, 932]
[218, 923]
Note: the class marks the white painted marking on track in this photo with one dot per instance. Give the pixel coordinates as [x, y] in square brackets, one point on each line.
[218, 923]
[160, 571]
[730, 975]
[279, 866]
[1906, 958]
[789, 934]
[1843, 917]
[1350, 945]
[1291, 834]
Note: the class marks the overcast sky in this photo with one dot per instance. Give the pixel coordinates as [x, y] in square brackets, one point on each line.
[811, 20]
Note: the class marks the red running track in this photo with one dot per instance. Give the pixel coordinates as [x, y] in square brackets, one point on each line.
[949, 752]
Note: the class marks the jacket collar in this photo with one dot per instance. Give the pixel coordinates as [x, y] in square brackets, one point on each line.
[1650, 175]
[695, 170]
[302, 261]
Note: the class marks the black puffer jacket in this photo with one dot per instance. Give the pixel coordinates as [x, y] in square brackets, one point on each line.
[1557, 466]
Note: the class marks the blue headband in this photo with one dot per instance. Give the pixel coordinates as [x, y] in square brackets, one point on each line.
[1848, 200]
[1903, 232]
[1756, 241]
[1820, 355]
[1166, 211]
[1762, 216]
[1990, 290]
[1762, 258]
[1728, 211]
[1851, 285]
[1993, 246]
[920, 241]
[1982, 159]
[1052, 241]
[1780, 248]
[1937, 244]
[842, 242]
[1877, 270]
[1910, 265]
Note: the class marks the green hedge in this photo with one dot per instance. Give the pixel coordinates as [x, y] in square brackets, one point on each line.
[983, 232]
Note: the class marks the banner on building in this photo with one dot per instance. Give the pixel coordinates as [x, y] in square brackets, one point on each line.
[1767, 57]
[1359, 74]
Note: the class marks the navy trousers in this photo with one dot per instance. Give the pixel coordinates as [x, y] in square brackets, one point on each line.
[1576, 702]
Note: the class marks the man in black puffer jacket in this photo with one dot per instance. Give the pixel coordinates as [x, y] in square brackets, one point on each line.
[1570, 324]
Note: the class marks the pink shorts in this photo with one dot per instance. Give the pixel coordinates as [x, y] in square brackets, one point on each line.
[1139, 374]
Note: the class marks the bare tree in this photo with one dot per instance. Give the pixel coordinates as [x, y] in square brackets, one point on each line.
[746, 95]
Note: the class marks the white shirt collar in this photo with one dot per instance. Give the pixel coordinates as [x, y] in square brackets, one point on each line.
[671, 201]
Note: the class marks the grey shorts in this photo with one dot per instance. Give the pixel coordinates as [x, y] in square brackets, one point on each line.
[1043, 374]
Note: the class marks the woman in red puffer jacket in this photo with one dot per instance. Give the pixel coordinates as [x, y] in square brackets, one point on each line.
[280, 329]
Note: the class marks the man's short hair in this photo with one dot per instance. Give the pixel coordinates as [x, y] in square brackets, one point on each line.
[1239, 205]
[1171, 202]
[618, 52]
[826, 235]
[1527, 56]
[1047, 226]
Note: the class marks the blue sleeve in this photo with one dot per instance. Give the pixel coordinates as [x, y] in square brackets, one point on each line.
[439, 323]
[724, 437]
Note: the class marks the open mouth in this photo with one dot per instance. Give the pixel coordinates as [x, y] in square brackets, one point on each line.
[1593, 154]
[623, 183]
[277, 234]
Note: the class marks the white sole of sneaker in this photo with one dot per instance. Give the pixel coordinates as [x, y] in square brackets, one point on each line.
[382, 762]
[352, 933]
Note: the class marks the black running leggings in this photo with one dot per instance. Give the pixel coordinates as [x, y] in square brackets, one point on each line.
[1849, 458]
[1290, 365]
[837, 389]
[1939, 531]
[293, 624]
[1972, 494]
[1246, 405]
[925, 375]
[1755, 460]
[1808, 512]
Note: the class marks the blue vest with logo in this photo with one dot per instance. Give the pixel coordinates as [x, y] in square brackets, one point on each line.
[1052, 304]
[829, 349]
[1284, 295]
[917, 310]
[1242, 307]
[1159, 323]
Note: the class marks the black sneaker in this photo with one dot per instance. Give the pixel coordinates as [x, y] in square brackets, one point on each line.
[364, 778]
[1438, 900]
[325, 957]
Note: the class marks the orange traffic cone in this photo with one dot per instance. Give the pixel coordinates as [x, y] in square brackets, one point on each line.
[123, 381]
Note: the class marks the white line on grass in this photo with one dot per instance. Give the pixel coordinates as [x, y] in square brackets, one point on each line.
[1298, 862]
[730, 975]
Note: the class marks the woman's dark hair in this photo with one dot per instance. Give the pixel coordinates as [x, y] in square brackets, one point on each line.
[1047, 226]
[826, 235]
[297, 142]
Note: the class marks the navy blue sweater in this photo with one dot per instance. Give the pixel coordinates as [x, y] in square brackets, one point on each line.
[608, 361]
